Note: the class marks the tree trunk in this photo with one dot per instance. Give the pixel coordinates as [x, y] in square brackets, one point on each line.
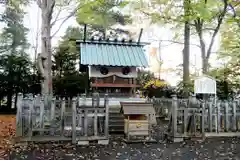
[9, 97]
[203, 53]
[186, 51]
[225, 85]
[10, 88]
[44, 60]
[15, 101]
[204, 65]
[46, 50]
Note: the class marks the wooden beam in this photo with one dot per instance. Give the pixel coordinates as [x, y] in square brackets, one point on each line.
[114, 85]
[85, 32]
[140, 35]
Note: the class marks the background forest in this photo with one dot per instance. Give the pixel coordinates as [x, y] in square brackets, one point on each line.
[186, 18]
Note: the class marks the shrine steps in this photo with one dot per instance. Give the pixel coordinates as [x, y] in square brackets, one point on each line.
[116, 120]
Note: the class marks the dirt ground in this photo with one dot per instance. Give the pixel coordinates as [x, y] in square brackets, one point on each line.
[210, 149]
[7, 131]
[215, 149]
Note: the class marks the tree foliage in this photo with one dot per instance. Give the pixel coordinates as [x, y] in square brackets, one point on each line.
[66, 53]
[226, 84]
[229, 53]
[16, 74]
[101, 15]
[230, 48]
[144, 77]
[205, 17]
[67, 80]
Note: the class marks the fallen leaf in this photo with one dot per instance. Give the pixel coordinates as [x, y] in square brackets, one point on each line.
[7, 131]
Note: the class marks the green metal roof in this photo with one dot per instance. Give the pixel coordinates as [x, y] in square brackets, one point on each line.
[112, 54]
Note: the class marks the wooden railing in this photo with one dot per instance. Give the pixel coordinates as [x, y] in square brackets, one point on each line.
[82, 119]
[41, 120]
[193, 118]
[114, 80]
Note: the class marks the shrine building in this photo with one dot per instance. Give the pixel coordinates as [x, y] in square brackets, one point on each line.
[112, 65]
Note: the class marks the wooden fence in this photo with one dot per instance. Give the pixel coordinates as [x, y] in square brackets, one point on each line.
[57, 120]
[162, 107]
[81, 121]
[191, 118]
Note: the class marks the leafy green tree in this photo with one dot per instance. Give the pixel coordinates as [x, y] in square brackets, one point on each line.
[208, 17]
[202, 17]
[226, 82]
[67, 80]
[175, 14]
[229, 74]
[103, 14]
[70, 84]
[229, 51]
[15, 64]
[144, 77]
[67, 53]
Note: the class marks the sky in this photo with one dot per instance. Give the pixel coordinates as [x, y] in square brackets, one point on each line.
[32, 21]
[170, 54]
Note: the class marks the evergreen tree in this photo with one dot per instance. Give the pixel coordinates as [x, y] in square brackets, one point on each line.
[67, 80]
[14, 62]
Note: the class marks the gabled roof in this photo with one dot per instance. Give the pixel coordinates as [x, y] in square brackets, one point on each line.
[206, 77]
[136, 108]
[112, 54]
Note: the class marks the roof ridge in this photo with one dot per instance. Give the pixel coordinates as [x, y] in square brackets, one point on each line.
[105, 42]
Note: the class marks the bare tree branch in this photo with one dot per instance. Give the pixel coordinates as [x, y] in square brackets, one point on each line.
[175, 42]
[234, 11]
[59, 13]
[167, 18]
[180, 42]
[69, 16]
[56, 18]
[199, 28]
[220, 19]
[51, 7]
[39, 3]
[205, 28]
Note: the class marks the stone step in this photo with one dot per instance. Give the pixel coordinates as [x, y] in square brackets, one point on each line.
[116, 118]
[116, 128]
[116, 115]
[116, 121]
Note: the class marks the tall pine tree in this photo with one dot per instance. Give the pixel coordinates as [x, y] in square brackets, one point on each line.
[14, 62]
